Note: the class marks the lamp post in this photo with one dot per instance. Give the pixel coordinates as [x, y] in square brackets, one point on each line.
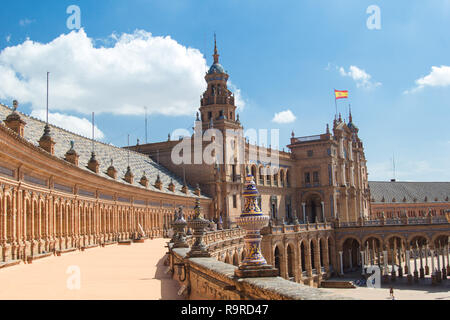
[253, 220]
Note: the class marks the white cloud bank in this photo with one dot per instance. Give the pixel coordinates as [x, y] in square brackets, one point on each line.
[81, 126]
[284, 117]
[137, 70]
[438, 77]
[360, 76]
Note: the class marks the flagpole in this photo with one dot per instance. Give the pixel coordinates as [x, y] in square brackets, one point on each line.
[335, 103]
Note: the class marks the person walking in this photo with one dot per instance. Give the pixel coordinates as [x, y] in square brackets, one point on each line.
[391, 292]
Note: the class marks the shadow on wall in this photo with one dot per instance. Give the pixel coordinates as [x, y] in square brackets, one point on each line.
[169, 287]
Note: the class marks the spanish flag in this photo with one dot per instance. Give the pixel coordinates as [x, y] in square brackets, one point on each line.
[341, 94]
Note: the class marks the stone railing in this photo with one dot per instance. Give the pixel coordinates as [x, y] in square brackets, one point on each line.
[394, 222]
[299, 228]
[215, 240]
[207, 278]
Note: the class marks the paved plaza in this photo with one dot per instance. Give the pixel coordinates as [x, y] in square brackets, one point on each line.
[114, 272]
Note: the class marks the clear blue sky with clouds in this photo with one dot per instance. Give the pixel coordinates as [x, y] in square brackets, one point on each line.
[284, 59]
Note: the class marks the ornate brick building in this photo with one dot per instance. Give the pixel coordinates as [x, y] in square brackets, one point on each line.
[60, 191]
[322, 177]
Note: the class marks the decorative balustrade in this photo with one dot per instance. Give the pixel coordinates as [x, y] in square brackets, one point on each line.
[219, 238]
[300, 228]
[395, 222]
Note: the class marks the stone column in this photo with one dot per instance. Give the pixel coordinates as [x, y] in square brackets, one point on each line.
[393, 273]
[427, 269]
[341, 263]
[444, 269]
[448, 256]
[323, 211]
[438, 271]
[432, 262]
[416, 273]
[363, 262]
[422, 271]
[326, 259]
[408, 266]
[304, 212]
[400, 269]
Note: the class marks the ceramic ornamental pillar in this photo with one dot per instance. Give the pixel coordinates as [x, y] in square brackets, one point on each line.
[178, 225]
[253, 220]
[198, 224]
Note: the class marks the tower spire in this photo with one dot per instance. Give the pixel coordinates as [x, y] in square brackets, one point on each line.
[350, 113]
[215, 55]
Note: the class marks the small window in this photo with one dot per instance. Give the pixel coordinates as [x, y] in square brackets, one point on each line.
[209, 115]
[307, 177]
[316, 176]
[310, 153]
[234, 201]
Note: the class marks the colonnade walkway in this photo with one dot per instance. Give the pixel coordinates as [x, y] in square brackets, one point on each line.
[114, 272]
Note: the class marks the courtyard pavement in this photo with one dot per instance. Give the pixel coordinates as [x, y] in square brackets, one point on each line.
[423, 290]
[135, 272]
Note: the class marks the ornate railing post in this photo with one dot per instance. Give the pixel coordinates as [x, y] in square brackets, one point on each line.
[253, 220]
[178, 225]
[199, 224]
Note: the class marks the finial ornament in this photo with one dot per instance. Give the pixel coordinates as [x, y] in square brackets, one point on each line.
[253, 220]
[15, 105]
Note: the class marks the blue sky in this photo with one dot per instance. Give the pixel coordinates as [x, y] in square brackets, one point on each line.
[281, 55]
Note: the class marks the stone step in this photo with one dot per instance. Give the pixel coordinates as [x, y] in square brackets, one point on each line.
[60, 252]
[337, 284]
[30, 259]
[9, 263]
[90, 246]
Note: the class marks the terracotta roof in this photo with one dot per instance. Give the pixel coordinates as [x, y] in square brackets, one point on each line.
[139, 163]
[407, 192]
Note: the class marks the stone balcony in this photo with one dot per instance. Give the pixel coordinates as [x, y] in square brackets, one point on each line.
[207, 278]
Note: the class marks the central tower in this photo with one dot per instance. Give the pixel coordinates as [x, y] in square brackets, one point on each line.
[217, 106]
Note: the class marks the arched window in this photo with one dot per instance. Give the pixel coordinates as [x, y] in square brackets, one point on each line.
[261, 176]
[268, 176]
[253, 173]
[290, 261]
[277, 260]
[288, 180]
[275, 178]
[282, 178]
[303, 256]
[313, 262]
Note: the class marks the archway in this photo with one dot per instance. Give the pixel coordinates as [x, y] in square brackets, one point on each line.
[303, 256]
[277, 260]
[313, 208]
[351, 255]
[290, 261]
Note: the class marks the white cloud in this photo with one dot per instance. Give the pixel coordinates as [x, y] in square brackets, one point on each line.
[284, 117]
[8, 38]
[238, 99]
[438, 77]
[81, 126]
[133, 71]
[360, 76]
